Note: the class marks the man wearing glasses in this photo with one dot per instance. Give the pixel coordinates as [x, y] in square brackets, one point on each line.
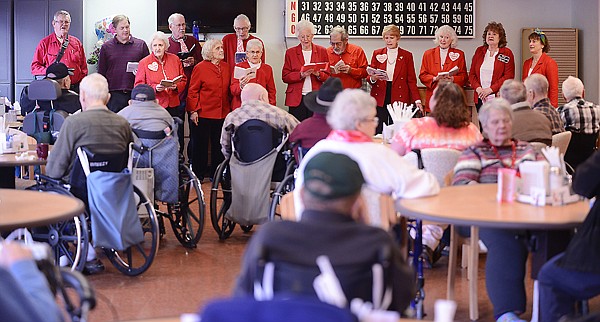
[346, 61]
[234, 45]
[61, 47]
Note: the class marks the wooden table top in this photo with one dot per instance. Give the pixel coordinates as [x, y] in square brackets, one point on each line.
[476, 205]
[22, 208]
[10, 160]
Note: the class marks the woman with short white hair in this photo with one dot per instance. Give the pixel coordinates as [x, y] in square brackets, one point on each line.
[261, 74]
[443, 63]
[302, 81]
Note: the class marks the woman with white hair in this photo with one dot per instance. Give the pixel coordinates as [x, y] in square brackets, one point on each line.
[263, 74]
[158, 66]
[438, 62]
[353, 120]
[208, 102]
[301, 82]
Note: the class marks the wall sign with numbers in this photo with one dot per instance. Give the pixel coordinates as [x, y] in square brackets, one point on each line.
[366, 18]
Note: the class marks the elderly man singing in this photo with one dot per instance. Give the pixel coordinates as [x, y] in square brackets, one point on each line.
[347, 61]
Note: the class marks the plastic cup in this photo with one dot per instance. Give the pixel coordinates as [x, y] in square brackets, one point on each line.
[506, 185]
[42, 151]
[444, 310]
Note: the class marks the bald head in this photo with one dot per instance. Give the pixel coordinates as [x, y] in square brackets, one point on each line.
[254, 91]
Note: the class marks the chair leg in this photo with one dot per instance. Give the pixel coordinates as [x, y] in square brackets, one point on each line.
[452, 263]
[473, 264]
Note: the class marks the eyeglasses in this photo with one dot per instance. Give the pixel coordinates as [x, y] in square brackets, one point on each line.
[254, 52]
[374, 120]
[241, 28]
[339, 43]
[63, 22]
[179, 25]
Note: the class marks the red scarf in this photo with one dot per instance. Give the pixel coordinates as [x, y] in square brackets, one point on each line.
[348, 136]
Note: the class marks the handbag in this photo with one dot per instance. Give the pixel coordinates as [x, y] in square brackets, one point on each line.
[113, 210]
[45, 135]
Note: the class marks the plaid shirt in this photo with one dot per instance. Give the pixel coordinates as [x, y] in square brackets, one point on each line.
[580, 116]
[544, 106]
[255, 110]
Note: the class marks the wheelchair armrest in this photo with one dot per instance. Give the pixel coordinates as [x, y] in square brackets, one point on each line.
[43, 177]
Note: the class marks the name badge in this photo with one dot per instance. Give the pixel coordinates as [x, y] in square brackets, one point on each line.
[503, 58]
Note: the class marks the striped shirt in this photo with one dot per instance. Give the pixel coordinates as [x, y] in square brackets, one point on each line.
[580, 116]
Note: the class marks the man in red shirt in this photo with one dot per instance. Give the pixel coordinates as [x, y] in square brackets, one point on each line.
[49, 48]
[346, 61]
[234, 45]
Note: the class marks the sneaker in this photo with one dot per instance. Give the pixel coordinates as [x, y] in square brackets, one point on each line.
[93, 266]
[510, 317]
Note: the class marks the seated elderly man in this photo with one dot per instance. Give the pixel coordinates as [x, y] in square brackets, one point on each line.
[353, 120]
[68, 100]
[255, 106]
[328, 227]
[528, 125]
[537, 97]
[143, 111]
[96, 128]
[581, 118]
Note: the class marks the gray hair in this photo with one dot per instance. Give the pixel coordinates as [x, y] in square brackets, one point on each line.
[537, 83]
[339, 30]
[173, 16]
[242, 18]
[118, 18]
[350, 106]
[305, 25]
[446, 30]
[209, 46]
[513, 91]
[95, 86]
[254, 43]
[159, 35]
[62, 13]
[498, 104]
[572, 87]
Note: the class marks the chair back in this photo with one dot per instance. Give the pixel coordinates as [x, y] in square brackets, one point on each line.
[538, 146]
[561, 141]
[437, 161]
[253, 139]
[581, 147]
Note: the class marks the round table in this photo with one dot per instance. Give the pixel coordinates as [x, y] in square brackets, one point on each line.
[8, 162]
[22, 208]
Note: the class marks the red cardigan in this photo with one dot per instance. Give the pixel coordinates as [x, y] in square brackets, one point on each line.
[504, 68]
[150, 71]
[547, 67]
[404, 83]
[208, 93]
[431, 66]
[230, 47]
[290, 73]
[264, 77]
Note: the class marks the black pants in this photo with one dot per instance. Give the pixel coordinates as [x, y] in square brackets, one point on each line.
[300, 112]
[382, 111]
[207, 130]
[179, 111]
[118, 100]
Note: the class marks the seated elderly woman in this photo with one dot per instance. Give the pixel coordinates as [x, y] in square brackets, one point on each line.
[353, 120]
[507, 253]
[448, 127]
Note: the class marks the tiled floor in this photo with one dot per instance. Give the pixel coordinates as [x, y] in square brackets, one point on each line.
[182, 280]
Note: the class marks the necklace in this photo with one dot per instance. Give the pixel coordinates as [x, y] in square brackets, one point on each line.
[513, 157]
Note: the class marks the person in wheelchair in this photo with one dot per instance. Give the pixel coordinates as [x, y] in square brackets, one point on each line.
[144, 113]
[25, 295]
[255, 106]
[68, 100]
[331, 225]
[96, 128]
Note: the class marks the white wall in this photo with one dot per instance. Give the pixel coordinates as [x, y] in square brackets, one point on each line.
[514, 15]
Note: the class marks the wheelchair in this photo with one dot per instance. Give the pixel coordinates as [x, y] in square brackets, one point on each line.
[254, 143]
[288, 183]
[173, 184]
[70, 239]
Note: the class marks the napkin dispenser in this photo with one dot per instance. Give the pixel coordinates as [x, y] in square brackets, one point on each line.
[13, 141]
[542, 185]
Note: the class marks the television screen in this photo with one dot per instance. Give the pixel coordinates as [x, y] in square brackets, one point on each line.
[213, 16]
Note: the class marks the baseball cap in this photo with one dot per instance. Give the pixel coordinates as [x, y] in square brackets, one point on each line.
[142, 93]
[331, 176]
[57, 71]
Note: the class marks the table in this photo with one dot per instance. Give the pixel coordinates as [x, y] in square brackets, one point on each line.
[476, 206]
[8, 162]
[22, 208]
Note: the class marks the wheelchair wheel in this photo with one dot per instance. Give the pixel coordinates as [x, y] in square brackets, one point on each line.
[285, 186]
[221, 192]
[69, 239]
[137, 259]
[187, 216]
[246, 229]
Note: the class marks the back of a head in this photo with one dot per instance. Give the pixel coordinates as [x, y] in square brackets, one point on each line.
[513, 91]
[451, 106]
[94, 87]
[572, 87]
[350, 106]
[142, 93]
[253, 91]
[537, 83]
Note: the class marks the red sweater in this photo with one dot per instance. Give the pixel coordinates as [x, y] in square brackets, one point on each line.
[290, 73]
[431, 66]
[504, 68]
[355, 57]
[208, 93]
[264, 77]
[151, 72]
[547, 67]
[404, 82]
[230, 48]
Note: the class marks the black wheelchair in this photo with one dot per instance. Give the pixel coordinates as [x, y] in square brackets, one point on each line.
[259, 161]
[173, 184]
[70, 239]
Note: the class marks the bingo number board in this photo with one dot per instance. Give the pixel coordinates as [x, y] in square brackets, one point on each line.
[366, 18]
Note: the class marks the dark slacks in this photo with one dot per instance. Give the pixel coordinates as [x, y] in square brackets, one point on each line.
[118, 100]
[560, 288]
[179, 111]
[300, 112]
[207, 130]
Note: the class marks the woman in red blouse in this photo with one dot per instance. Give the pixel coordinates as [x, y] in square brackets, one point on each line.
[541, 63]
[158, 66]
[263, 75]
[208, 102]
